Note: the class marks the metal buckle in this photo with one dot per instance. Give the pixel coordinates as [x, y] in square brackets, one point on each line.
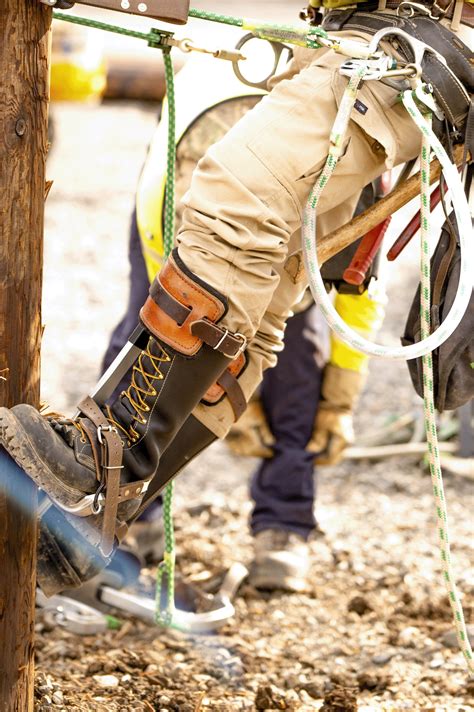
[105, 429]
[242, 347]
[85, 507]
[409, 9]
[236, 335]
[418, 48]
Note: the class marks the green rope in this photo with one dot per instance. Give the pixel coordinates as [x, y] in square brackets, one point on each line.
[164, 613]
[429, 403]
[303, 37]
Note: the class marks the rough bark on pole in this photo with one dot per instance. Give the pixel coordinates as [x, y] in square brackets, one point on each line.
[24, 94]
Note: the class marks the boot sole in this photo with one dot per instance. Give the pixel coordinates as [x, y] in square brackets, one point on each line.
[290, 584]
[18, 445]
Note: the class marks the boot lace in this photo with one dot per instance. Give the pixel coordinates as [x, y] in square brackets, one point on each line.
[60, 422]
[137, 395]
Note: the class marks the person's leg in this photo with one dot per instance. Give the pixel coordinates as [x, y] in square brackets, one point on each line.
[283, 485]
[245, 201]
[97, 467]
[248, 193]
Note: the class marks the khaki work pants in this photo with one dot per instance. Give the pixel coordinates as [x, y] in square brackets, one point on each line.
[240, 230]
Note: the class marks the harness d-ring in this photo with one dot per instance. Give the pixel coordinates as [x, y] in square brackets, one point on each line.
[277, 47]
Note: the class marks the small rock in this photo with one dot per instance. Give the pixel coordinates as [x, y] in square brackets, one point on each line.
[269, 698]
[106, 680]
[58, 697]
[94, 667]
[109, 666]
[372, 681]
[151, 669]
[314, 690]
[425, 688]
[340, 699]
[450, 640]
[408, 637]
[383, 658]
[359, 605]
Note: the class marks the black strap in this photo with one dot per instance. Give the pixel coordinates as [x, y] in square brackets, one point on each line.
[451, 83]
[177, 311]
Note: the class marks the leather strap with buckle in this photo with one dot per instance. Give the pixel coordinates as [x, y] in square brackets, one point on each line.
[228, 385]
[183, 313]
[108, 464]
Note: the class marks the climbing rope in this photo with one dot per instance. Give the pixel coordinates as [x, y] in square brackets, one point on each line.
[309, 38]
[164, 613]
[353, 339]
[303, 37]
[429, 407]
[461, 208]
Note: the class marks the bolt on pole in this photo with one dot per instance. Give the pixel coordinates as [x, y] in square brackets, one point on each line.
[24, 96]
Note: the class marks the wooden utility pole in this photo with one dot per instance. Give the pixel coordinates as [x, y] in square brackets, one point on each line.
[24, 95]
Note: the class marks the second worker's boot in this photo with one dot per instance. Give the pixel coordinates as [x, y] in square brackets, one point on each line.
[97, 467]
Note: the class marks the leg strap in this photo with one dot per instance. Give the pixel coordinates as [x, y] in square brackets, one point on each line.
[183, 313]
[108, 465]
[228, 385]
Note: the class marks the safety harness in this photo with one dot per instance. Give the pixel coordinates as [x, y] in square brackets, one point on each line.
[446, 66]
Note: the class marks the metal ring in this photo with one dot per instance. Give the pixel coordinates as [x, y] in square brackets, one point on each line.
[277, 48]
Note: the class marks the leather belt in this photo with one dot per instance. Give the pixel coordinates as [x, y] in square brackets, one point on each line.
[451, 82]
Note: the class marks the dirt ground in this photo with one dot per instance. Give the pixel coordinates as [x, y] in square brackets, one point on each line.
[374, 631]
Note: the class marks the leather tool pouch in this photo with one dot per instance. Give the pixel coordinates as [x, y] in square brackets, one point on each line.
[453, 361]
[452, 84]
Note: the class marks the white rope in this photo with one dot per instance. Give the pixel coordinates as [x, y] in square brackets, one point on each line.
[461, 209]
[429, 342]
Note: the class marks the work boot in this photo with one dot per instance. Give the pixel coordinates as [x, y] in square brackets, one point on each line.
[194, 437]
[97, 467]
[281, 561]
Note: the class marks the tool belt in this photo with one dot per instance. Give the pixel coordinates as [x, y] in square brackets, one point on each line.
[452, 83]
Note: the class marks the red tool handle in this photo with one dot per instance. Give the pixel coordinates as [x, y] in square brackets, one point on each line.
[365, 254]
[412, 228]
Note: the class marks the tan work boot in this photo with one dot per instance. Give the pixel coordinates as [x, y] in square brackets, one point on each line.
[281, 561]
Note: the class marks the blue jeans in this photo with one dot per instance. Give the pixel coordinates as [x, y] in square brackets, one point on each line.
[283, 487]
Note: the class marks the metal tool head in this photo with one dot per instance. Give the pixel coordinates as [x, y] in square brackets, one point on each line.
[71, 615]
[220, 606]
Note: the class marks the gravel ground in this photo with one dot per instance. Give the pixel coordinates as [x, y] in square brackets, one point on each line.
[373, 631]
